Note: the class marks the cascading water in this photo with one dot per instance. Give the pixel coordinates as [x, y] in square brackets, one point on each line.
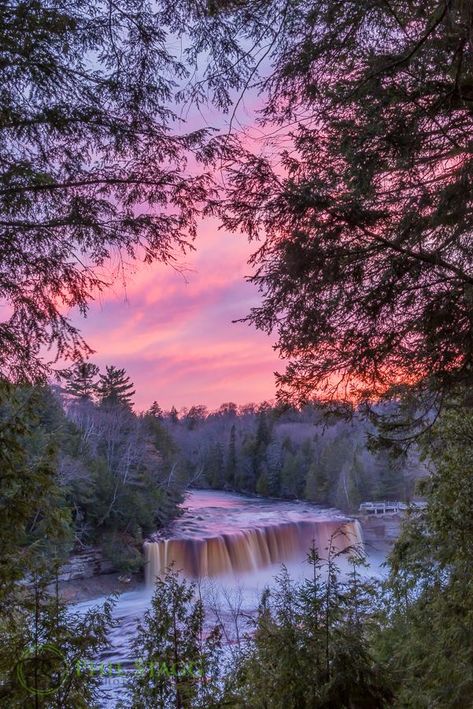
[236, 544]
[246, 537]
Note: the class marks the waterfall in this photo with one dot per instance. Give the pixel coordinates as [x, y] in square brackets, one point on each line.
[249, 549]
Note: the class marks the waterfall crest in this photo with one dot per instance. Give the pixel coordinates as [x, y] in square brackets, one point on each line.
[249, 549]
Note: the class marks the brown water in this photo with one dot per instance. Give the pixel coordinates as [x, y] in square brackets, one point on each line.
[223, 534]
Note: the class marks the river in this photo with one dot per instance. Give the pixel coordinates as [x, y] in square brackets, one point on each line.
[232, 546]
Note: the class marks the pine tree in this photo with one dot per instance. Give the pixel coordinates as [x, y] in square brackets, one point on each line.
[173, 415]
[215, 466]
[390, 478]
[155, 411]
[81, 381]
[260, 445]
[368, 227]
[289, 475]
[178, 668]
[32, 516]
[87, 158]
[262, 483]
[429, 592]
[47, 652]
[317, 483]
[309, 648]
[263, 432]
[273, 461]
[115, 388]
[196, 416]
[269, 671]
[247, 473]
[37, 630]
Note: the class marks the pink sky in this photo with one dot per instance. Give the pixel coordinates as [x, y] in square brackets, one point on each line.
[175, 335]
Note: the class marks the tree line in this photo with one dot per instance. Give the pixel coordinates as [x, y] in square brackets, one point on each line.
[113, 478]
[335, 639]
[121, 476]
[340, 640]
[288, 452]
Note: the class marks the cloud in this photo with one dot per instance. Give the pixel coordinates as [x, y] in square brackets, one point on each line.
[174, 334]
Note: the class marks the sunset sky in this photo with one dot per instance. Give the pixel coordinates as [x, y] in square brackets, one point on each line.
[175, 335]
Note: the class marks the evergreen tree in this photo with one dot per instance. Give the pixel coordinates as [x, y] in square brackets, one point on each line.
[32, 513]
[195, 416]
[317, 483]
[115, 388]
[178, 668]
[352, 268]
[274, 459]
[247, 473]
[390, 477]
[215, 466]
[262, 483]
[162, 439]
[263, 432]
[40, 639]
[289, 475]
[155, 411]
[173, 415]
[359, 488]
[309, 648]
[429, 593]
[87, 159]
[269, 672]
[81, 381]
[47, 651]
[258, 447]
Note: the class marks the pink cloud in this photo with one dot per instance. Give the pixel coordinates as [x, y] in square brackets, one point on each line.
[175, 335]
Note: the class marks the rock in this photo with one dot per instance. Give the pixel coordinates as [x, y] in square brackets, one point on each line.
[380, 532]
[85, 564]
[125, 579]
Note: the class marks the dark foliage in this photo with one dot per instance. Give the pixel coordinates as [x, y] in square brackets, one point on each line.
[90, 174]
[362, 191]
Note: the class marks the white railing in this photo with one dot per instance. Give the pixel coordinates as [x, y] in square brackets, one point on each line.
[386, 508]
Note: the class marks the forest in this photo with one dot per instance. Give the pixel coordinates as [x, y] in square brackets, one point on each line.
[334, 136]
[121, 475]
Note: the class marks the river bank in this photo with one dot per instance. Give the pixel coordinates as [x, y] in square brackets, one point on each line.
[87, 576]
[87, 589]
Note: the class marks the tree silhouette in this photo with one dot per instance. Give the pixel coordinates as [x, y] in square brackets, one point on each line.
[365, 197]
[115, 388]
[81, 380]
[90, 174]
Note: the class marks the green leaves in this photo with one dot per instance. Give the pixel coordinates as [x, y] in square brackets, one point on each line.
[33, 516]
[428, 593]
[310, 644]
[172, 635]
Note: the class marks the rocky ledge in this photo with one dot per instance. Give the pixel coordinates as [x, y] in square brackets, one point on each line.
[380, 532]
[87, 575]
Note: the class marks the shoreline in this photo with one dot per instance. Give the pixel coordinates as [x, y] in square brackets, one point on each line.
[88, 589]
